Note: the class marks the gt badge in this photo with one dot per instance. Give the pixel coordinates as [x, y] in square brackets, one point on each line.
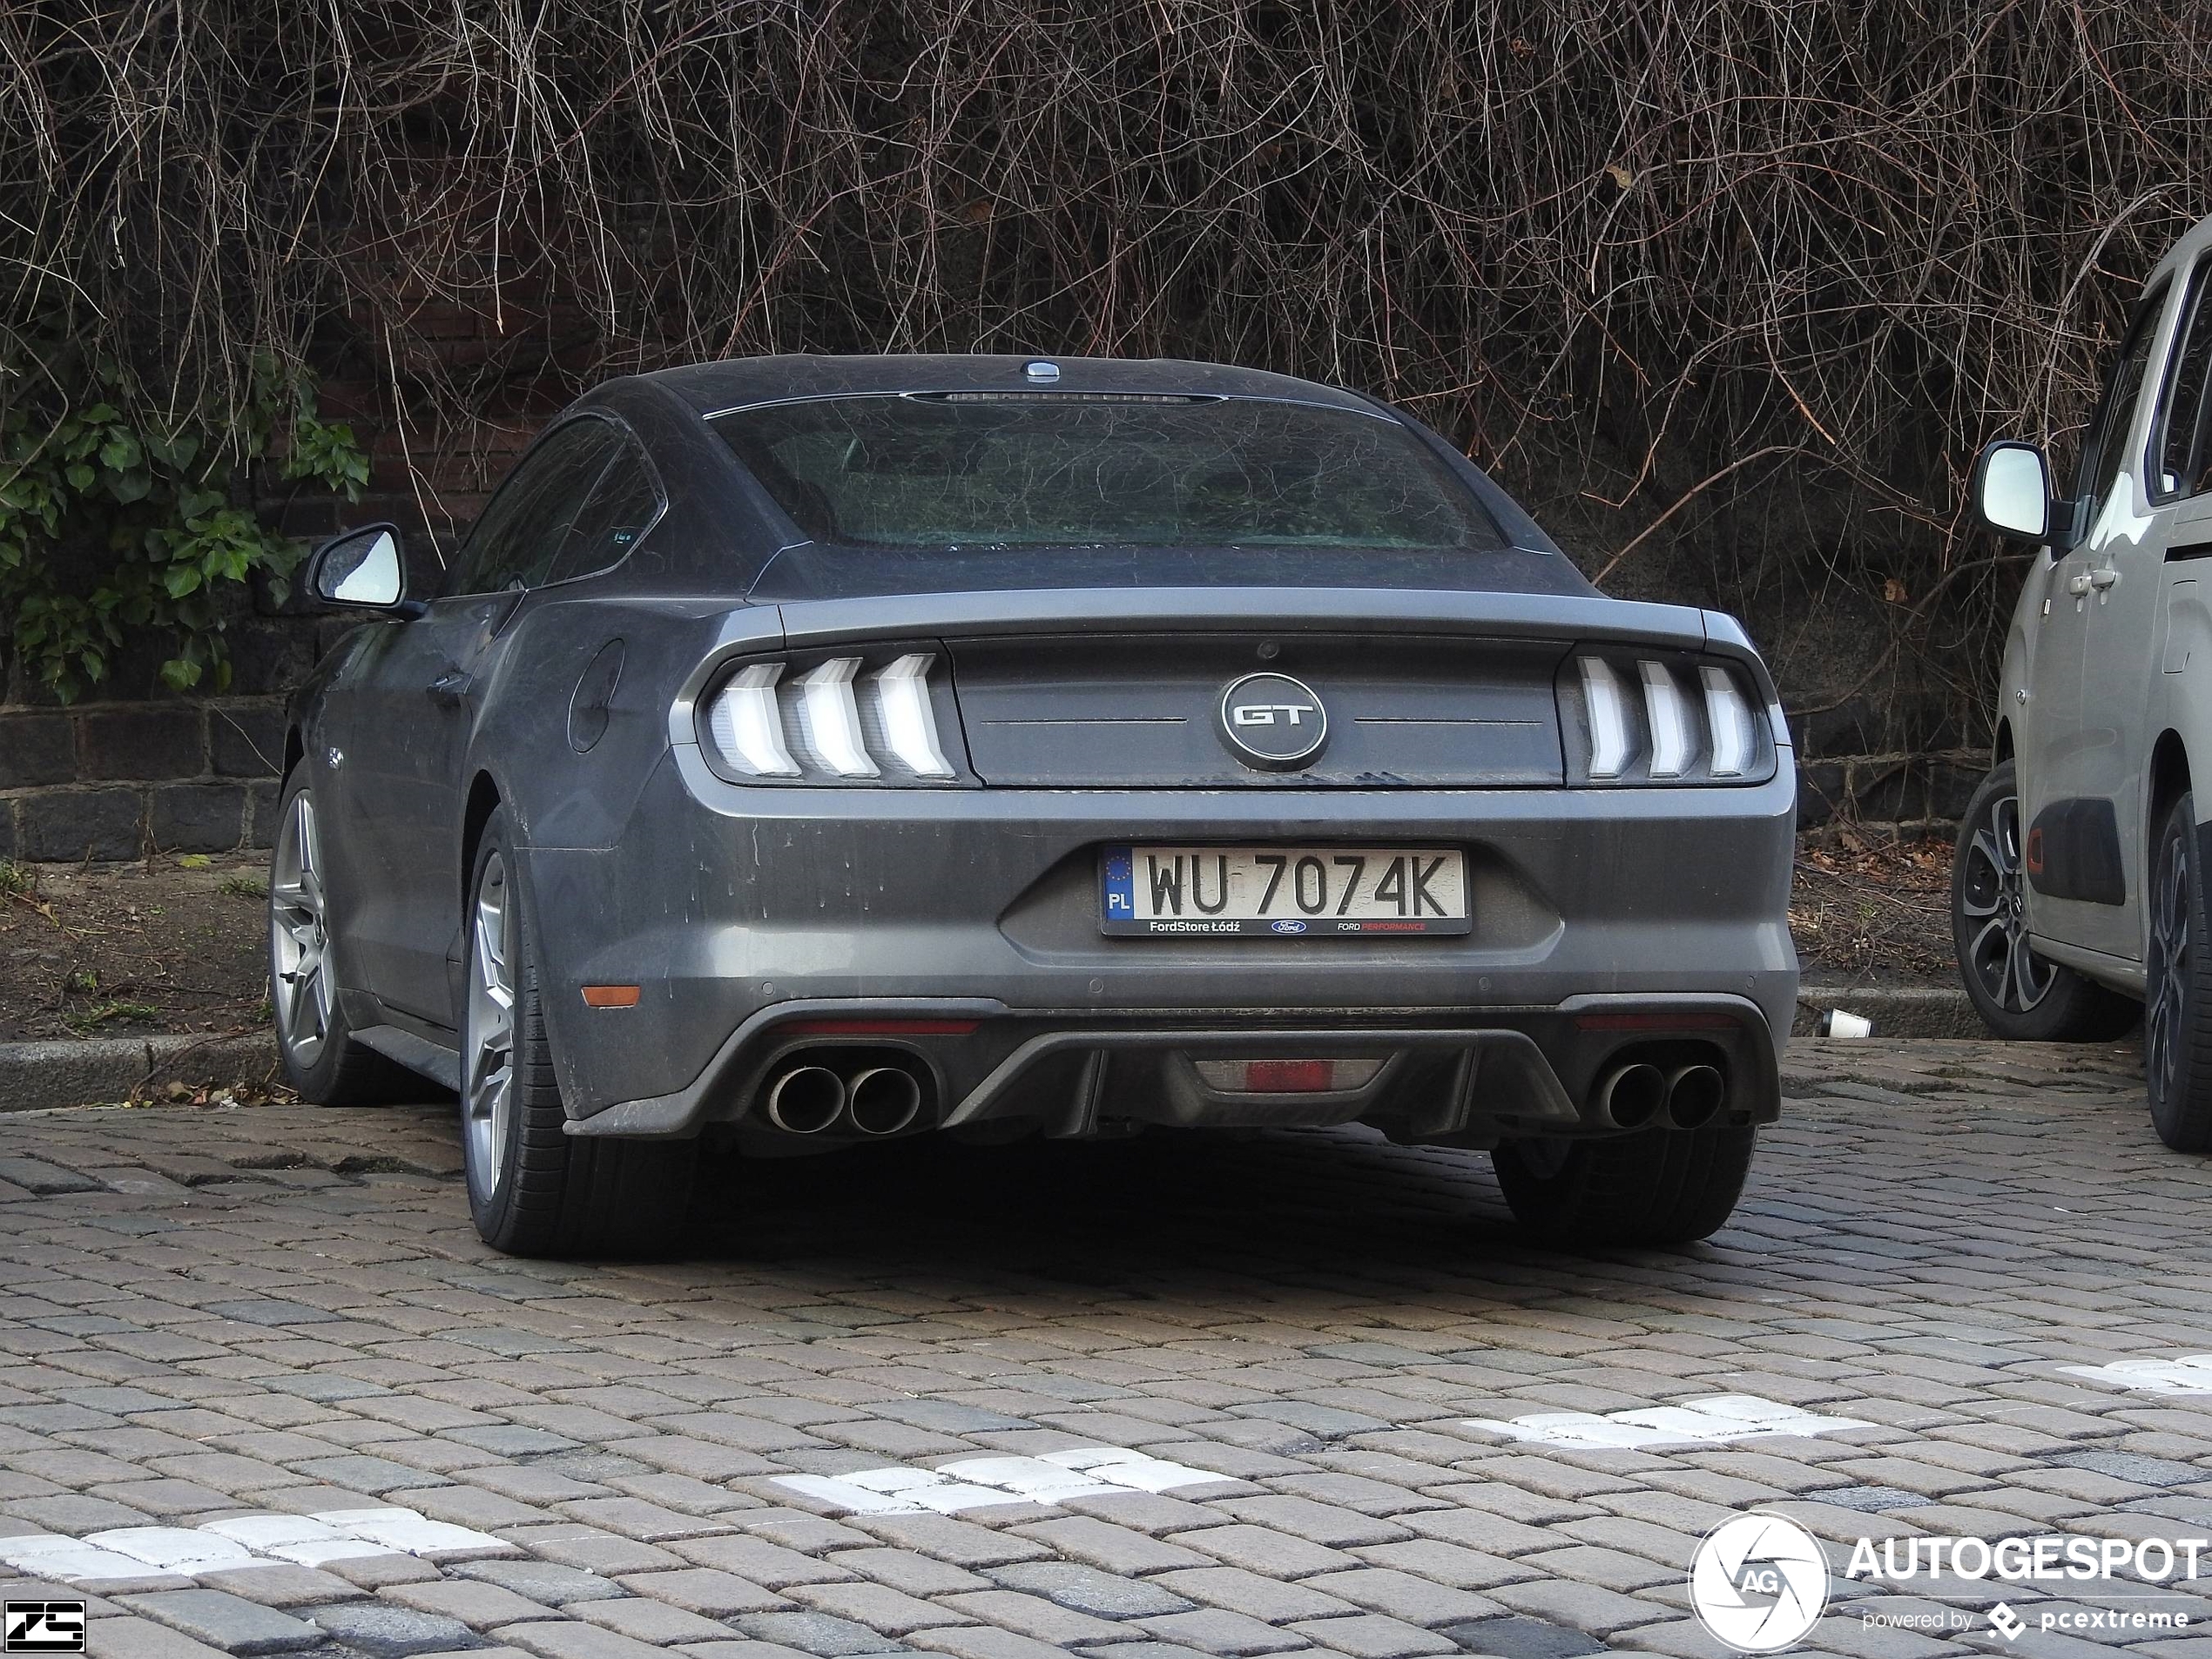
[1272, 722]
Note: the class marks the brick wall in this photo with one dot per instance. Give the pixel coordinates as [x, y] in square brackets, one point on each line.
[115, 780]
[151, 772]
[1903, 761]
[142, 770]
[146, 771]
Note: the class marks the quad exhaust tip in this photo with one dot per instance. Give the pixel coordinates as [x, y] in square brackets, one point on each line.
[1695, 1096]
[883, 1100]
[805, 1100]
[871, 1100]
[1634, 1095]
[1630, 1097]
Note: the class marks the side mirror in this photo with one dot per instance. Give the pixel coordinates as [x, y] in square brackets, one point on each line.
[363, 570]
[2011, 490]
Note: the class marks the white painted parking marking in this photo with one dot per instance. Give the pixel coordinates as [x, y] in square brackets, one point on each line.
[48, 1556]
[174, 1549]
[299, 1539]
[1711, 1421]
[843, 1494]
[1137, 1471]
[1030, 1477]
[404, 1531]
[241, 1541]
[2181, 1374]
[973, 1483]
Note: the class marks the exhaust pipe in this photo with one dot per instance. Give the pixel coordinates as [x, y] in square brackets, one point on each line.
[1629, 1097]
[883, 1100]
[805, 1100]
[1695, 1096]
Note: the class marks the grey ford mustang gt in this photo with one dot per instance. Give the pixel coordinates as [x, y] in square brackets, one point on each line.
[810, 750]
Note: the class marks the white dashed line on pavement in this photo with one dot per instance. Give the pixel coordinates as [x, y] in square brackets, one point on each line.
[973, 1483]
[243, 1540]
[1711, 1421]
[2181, 1374]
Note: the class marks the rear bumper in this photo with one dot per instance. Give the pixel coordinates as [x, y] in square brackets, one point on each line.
[1502, 1072]
[737, 910]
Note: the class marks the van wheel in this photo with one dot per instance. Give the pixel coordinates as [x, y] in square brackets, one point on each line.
[2019, 995]
[1655, 1187]
[2177, 1017]
[534, 1190]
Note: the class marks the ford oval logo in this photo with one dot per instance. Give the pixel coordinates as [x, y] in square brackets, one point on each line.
[1288, 925]
[1272, 722]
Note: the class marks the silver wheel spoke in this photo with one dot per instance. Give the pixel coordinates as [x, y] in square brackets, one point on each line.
[488, 1093]
[2031, 973]
[1985, 844]
[300, 995]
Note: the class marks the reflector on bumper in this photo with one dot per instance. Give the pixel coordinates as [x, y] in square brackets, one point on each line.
[1286, 1077]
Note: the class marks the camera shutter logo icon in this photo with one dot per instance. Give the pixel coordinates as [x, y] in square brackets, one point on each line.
[1759, 1582]
[45, 1627]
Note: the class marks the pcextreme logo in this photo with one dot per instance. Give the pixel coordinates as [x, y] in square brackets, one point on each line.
[1758, 1582]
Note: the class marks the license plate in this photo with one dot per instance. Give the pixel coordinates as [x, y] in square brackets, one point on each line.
[1283, 892]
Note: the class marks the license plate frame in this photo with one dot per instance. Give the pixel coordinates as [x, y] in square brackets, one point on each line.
[1423, 891]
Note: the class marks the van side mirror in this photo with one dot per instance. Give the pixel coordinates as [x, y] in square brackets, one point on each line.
[2011, 491]
[363, 570]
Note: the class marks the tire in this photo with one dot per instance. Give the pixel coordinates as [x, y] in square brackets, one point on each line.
[321, 1060]
[1655, 1187]
[2019, 995]
[534, 1190]
[2177, 1023]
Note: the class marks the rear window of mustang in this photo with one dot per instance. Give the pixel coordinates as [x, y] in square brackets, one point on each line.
[946, 471]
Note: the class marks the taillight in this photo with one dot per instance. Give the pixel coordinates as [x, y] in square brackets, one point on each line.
[1627, 718]
[841, 720]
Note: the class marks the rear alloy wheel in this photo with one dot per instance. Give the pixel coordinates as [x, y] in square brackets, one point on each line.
[2019, 995]
[2177, 1016]
[534, 1190]
[322, 1061]
[1655, 1187]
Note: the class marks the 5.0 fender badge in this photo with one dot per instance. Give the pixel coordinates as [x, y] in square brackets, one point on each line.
[1272, 722]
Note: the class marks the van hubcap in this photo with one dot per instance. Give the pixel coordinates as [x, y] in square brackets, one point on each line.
[1993, 894]
[2169, 966]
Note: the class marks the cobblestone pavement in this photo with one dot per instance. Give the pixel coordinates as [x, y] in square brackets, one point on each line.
[1203, 1397]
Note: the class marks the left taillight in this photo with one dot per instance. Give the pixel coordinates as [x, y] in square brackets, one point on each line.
[840, 720]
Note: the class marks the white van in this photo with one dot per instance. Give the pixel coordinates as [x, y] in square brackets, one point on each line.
[2079, 887]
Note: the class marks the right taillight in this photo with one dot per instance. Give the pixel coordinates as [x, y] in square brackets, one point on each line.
[1631, 718]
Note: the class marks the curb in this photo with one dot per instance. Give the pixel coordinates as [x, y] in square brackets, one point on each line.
[38, 1077]
[1896, 1010]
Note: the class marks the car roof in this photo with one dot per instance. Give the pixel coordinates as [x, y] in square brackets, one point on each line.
[712, 388]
